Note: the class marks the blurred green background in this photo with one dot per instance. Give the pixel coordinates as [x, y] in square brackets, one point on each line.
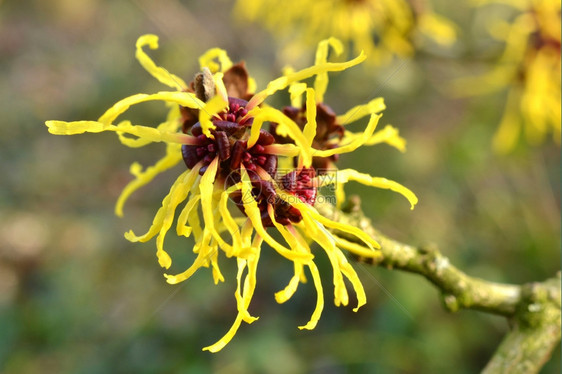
[76, 297]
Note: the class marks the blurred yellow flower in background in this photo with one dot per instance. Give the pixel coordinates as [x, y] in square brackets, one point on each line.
[529, 69]
[215, 124]
[382, 28]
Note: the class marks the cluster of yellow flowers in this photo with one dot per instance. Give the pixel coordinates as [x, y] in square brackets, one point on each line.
[234, 181]
[381, 28]
[529, 69]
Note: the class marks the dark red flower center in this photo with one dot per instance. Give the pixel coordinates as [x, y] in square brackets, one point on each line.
[236, 112]
[299, 183]
[229, 143]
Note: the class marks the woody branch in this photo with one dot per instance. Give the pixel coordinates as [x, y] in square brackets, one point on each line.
[532, 309]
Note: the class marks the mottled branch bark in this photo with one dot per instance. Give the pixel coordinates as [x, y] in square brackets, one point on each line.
[535, 332]
[532, 309]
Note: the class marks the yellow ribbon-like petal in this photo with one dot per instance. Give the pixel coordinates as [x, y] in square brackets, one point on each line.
[201, 261]
[283, 82]
[296, 90]
[343, 176]
[319, 298]
[163, 75]
[350, 274]
[173, 156]
[314, 216]
[309, 130]
[287, 150]
[181, 228]
[285, 294]
[357, 249]
[172, 124]
[159, 217]
[176, 196]
[243, 296]
[186, 99]
[357, 112]
[321, 81]
[353, 145]
[217, 275]
[212, 107]
[254, 214]
[293, 130]
[207, 60]
[389, 135]
[209, 204]
[230, 223]
[326, 241]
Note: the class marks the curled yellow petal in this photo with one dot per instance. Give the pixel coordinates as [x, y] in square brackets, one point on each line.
[296, 90]
[181, 228]
[159, 217]
[285, 294]
[75, 127]
[254, 214]
[243, 296]
[326, 241]
[356, 249]
[239, 293]
[287, 150]
[251, 278]
[309, 130]
[288, 292]
[220, 87]
[148, 134]
[177, 194]
[214, 348]
[321, 81]
[212, 107]
[209, 204]
[314, 216]
[186, 99]
[343, 176]
[283, 82]
[319, 298]
[389, 135]
[217, 275]
[163, 75]
[293, 130]
[356, 143]
[357, 112]
[340, 195]
[200, 261]
[195, 223]
[172, 124]
[350, 274]
[173, 156]
[207, 60]
[229, 222]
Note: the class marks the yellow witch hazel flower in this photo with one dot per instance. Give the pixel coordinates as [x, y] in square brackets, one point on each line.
[330, 128]
[382, 28]
[529, 69]
[233, 192]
